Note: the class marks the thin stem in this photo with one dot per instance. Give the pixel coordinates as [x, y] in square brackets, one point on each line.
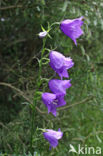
[40, 64]
[21, 93]
[83, 101]
[56, 23]
[11, 7]
[33, 106]
[32, 126]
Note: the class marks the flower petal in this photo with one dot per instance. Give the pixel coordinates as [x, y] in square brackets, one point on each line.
[72, 28]
[48, 99]
[60, 63]
[53, 136]
[56, 60]
[61, 101]
[53, 142]
[42, 34]
[59, 86]
[68, 63]
[64, 73]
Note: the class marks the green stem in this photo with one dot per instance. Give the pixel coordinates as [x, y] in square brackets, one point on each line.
[40, 64]
[33, 110]
[32, 129]
[56, 23]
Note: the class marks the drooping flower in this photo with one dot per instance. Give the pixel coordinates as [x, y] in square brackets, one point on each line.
[53, 137]
[53, 101]
[72, 28]
[60, 63]
[42, 34]
[59, 87]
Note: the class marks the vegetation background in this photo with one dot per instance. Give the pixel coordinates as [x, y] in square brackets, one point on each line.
[82, 121]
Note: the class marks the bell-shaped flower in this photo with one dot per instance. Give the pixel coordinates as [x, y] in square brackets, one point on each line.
[72, 28]
[59, 87]
[53, 101]
[60, 63]
[53, 136]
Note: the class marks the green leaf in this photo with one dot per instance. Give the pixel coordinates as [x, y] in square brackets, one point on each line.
[42, 28]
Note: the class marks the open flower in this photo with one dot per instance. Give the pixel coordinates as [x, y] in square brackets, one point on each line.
[59, 87]
[52, 101]
[42, 34]
[60, 63]
[72, 28]
[53, 137]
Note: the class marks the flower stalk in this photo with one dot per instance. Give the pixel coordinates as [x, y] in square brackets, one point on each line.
[36, 94]
[60, 64]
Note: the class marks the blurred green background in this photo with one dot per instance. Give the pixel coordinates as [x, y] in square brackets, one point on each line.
[82, 123]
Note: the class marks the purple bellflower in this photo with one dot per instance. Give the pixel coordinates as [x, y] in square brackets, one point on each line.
[59, 87]
[72, 28]
[53, 137]
[42, 34]
[52, 101]
[60, 63]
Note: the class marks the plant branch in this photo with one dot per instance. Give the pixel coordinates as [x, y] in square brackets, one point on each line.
[30, 101]
[11, 7]
[77, 103]
[92, 134]
[21, 93]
